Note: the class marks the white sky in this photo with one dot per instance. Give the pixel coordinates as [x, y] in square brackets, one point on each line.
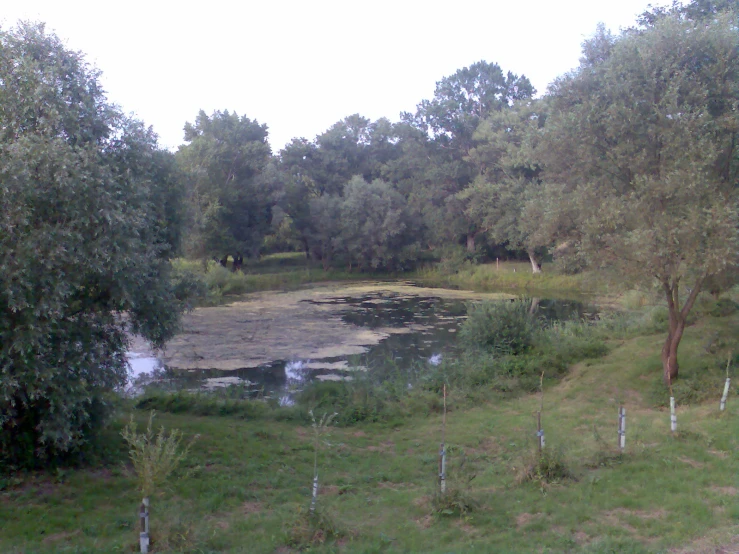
[301, 66]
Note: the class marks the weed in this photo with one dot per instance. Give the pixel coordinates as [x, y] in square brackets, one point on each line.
[312, 529]
[546, 469]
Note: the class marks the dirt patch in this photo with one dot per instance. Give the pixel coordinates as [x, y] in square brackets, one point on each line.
[359, 434]
[525, 518]
[729, 491]
[691, 462]
[392, 486]
[328, 490]
[617, 517]
[385, 447]
[56, 537]
[425, 522]
[465, 527]
[706, 545]
[251, 508]
[718, 453]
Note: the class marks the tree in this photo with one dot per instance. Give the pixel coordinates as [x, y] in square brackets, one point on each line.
[376, 230]
[448, 123]
[225, 160]
[507, 177]
[643, 137]
[88, 217]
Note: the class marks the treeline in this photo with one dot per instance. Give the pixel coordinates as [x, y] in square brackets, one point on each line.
[371, 195]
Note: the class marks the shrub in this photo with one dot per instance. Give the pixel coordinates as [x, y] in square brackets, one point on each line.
[154, 455]
[502, 327]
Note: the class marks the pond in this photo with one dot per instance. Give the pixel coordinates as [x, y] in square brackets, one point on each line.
[273, 343]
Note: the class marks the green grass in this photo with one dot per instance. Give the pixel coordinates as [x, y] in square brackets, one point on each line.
[516, 277]
[245, 487]
[286, 271]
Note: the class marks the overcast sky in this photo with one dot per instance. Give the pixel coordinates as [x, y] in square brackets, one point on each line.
[301, 66]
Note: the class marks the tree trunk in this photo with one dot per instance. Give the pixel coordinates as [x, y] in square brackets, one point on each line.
[470, 242]
[678, 320]
[535, 266]
[669, 349]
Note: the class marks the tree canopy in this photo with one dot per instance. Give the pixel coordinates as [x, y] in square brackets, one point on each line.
[88, 217]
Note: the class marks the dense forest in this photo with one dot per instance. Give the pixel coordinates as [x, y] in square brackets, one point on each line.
[627, 162]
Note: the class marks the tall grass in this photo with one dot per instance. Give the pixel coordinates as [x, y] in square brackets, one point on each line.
[210, 283]
[515, 276]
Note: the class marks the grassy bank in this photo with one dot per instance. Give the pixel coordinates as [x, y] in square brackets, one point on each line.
[517, 277]
[213, 284]
[245, 486]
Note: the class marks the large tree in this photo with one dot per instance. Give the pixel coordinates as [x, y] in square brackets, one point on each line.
[88, 216]
[448, 123]
[508, 176]
[232, 198]
[642, 137]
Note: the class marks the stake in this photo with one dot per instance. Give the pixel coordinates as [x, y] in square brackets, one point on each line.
[315, 494]
[497, 264]
[442, 451]
[144, 518]
[539, 430]
[726, 386]
[622, 428]
[673, 415]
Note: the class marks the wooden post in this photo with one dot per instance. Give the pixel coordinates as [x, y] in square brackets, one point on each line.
[497, 264]
[442, 451]
[144, 518]
[622, 428]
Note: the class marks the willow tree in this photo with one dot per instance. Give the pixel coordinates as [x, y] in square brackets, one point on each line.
[86, 201]
[642, 139]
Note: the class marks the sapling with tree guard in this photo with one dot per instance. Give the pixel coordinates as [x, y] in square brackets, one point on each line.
[539, 430]
[673, 415]
[320, 428]
[442, 450]
[154, 457]
[727, 383]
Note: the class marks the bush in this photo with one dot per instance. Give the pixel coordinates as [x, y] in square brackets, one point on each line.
[501, 327]
[724, 307]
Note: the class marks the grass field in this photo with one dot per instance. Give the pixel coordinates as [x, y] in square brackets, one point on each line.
[245, 487]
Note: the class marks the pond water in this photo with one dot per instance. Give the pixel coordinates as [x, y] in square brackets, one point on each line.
[272, 344]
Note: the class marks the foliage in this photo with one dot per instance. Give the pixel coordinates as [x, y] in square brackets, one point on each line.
[501, 327]
[641, 140]
[88, 218]
[154, 455]
[231, 188]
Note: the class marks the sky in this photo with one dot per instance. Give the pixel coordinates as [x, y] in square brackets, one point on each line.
[301, 66]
